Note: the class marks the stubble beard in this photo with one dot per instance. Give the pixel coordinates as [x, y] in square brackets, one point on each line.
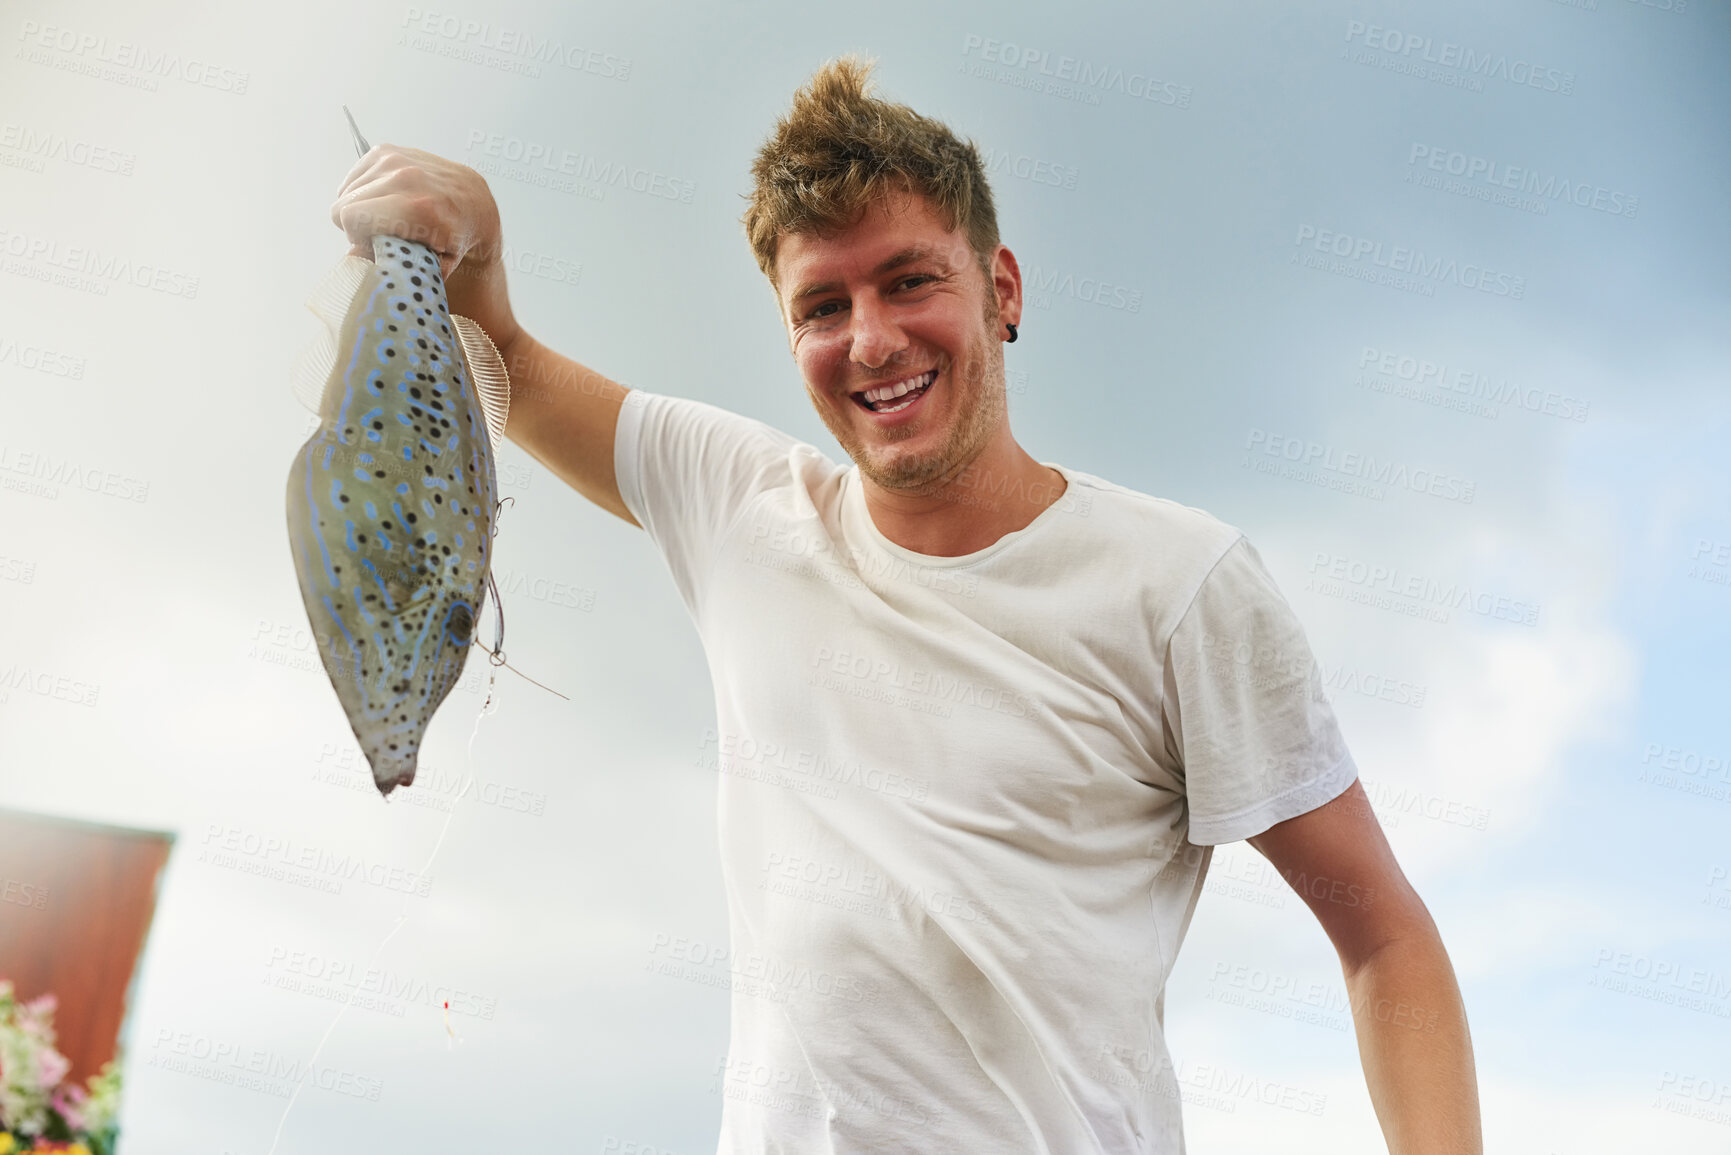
[978, 405]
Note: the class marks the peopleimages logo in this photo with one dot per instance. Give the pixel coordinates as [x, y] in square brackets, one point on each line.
[1365, 467]
[1396, 582]
[1044, 284]
[1071, 77]
[1367, 255]
[1494, 176]
[1411, 49]
[86, 268]
[555, 165]
[93, 55]
[1470, 384]
[42, 145]
[54, 470]
[42, 360]
[471, 39]
[1029, 168]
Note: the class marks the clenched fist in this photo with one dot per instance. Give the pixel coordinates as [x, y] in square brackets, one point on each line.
[418, 196]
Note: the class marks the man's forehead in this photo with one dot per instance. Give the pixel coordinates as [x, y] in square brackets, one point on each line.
[891, 232]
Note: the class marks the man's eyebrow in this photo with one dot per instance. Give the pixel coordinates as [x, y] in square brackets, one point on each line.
[906, 257]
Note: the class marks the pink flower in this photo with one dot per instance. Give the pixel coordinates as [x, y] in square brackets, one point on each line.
[51, 1066]
[69, 1101]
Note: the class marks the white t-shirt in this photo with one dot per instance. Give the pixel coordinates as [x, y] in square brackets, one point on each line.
[966, 804]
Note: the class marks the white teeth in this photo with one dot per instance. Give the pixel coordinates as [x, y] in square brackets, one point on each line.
[889, 392]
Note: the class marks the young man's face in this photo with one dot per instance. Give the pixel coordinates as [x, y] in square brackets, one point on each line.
[896, 299]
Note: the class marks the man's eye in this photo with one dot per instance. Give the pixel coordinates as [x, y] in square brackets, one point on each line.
[820, 311]
[916, 280]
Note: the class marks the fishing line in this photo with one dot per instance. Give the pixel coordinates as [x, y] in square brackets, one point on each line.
[496, 655]
[488, 708]
[402, 917]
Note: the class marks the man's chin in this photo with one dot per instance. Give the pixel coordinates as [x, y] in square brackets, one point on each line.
[907, 472]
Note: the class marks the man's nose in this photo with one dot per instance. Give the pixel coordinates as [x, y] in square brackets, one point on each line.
[875, 335]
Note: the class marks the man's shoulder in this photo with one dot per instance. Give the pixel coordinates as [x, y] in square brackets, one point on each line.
[686, 425]
[1144, 523]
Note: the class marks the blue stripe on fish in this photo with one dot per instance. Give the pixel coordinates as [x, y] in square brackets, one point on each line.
[324, 550]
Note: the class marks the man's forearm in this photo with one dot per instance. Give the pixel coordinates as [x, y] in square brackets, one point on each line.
[566, 415]
[1416, 1051]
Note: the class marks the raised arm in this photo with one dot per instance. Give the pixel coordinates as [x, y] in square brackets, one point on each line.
[563, 412]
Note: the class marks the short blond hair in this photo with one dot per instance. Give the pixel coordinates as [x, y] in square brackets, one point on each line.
[839, 148]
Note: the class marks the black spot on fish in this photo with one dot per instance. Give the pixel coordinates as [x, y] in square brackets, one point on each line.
[378, 425]
[414, 280]
[342, 497]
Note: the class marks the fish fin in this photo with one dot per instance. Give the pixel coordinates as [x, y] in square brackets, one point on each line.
[330, 304]
[487, 371]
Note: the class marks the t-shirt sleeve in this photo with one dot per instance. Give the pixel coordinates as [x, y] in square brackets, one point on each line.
[1245, 712]
[686, 471]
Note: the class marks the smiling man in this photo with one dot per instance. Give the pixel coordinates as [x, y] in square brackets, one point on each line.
[982, 718]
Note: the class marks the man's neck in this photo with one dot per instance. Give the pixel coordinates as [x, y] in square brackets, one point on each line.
[1001, 491]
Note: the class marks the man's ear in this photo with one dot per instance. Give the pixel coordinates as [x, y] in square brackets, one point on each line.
[1007, 281]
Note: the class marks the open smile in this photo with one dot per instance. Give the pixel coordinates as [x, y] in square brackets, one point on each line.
[897, 397]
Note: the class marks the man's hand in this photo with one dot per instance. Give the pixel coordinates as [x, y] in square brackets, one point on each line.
[415, 195]
[563, 412]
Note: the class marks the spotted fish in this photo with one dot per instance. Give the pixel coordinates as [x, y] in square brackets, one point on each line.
[392, 500]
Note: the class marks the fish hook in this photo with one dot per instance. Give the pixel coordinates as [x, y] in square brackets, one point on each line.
[497, 654]
[498, 651]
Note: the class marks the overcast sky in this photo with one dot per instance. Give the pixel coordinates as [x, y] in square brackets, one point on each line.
[1482, 244]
